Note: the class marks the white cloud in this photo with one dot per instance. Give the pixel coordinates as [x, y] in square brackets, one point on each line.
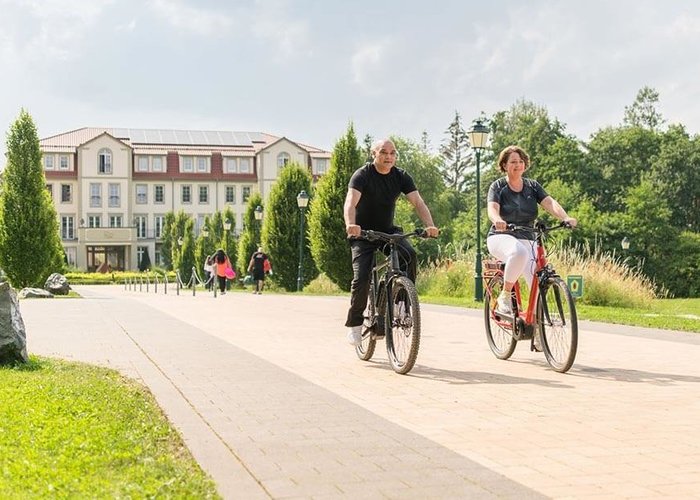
[47, 30]
[271, 22]
[368, 61]
[191, 19]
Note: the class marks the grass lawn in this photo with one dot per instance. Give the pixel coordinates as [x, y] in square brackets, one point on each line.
[667, 314]
[69, 430]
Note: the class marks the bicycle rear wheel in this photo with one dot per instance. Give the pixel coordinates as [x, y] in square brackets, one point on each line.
[557, 324]
[499, 333]
[403, 334]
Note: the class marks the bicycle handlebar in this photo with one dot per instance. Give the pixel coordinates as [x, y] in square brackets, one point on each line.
[539, 227]
[371, 235]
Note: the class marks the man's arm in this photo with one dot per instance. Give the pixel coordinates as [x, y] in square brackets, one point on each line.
[351, 201]
[423, 213]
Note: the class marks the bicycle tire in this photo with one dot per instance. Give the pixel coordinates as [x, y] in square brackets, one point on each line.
[365, 350]
[557, 324]
[403, 336]
[500, 339]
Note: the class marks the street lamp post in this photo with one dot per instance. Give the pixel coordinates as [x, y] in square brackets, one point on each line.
[302, 203]
[227, 228]
[478, 136]
[258, 217]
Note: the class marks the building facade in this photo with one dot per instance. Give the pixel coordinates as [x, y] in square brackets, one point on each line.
[112, 187]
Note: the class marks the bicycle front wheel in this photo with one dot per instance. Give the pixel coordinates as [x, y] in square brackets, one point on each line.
[499, 333]
[403, 333]
[557, 324]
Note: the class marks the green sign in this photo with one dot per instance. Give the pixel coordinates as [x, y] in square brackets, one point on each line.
[575, 284]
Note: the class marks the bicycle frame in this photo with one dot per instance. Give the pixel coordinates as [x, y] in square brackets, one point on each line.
[541, 264]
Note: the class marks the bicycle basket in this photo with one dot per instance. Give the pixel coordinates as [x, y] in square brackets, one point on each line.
[491, 267]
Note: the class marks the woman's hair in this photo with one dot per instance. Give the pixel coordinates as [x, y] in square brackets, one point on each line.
[503, 157]
[220, 256]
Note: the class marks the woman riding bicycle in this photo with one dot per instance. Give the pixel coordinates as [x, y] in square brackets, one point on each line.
[513, 199]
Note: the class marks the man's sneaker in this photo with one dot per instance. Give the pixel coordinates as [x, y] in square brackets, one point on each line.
[355, 335]
[504, 304]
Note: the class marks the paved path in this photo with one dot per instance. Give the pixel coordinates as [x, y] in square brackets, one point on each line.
[274, 404]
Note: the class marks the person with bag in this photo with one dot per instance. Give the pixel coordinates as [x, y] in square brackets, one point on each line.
[223, 268]
[259, 266]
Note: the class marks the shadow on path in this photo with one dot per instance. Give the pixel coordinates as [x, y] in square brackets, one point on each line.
[469, 377]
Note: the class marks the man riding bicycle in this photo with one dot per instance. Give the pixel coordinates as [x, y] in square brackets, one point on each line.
[370, 204]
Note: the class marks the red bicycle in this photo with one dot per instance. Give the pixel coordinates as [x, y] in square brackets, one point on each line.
[550, 313]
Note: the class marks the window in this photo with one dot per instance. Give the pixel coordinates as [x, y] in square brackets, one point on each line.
[246, 194]
[114, 195]
[187, 164]
[159, 193]
[231, 194]
[200, 224]
[157, 164]
[63, 165]
[186, 194]
[283, 159]
[231, 165]
[140, 252]
[245, 165]
[141, 194]
[158, 258]
[95, 195]
[321, 166]
[142, 164]
[49, 188]
[105, 162]
[66, 193]
[115, 221]
[94, 220]
[48, 162]
[67, 227]
[140, 221]
[202, 164]
[203, 194]
[158, 222]
[71, 256]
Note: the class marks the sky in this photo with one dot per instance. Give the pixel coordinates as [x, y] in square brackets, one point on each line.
[305, 69]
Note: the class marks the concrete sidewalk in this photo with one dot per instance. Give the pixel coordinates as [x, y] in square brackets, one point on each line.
[274, 404]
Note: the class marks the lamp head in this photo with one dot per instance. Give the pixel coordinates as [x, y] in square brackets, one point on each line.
[302, 199]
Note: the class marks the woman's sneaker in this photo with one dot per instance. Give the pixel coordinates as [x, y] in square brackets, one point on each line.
[355, 335]
[504, 304]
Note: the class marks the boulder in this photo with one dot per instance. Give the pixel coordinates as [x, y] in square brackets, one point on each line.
[57, 284]
[13, 339]
[35, 293]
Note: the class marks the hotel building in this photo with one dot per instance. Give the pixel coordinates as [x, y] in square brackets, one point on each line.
[112, 187]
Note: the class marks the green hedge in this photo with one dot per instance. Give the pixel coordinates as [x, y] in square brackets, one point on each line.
[116, 277]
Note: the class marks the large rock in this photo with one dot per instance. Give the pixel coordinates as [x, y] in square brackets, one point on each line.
[35, 293]
[13, 339]
[57, 284]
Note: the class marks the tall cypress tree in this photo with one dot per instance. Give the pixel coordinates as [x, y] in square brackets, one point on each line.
[281, 232]
[30, 246]
[329, 245]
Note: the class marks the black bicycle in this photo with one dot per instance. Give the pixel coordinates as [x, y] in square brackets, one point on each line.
[393, 311]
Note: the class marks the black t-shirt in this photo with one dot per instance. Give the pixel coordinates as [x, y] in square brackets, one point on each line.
[517, 208]
[259, 261]
[375, 210]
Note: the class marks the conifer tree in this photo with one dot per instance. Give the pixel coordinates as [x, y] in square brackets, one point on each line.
[329, 245]
[30, 245]
[281, 231]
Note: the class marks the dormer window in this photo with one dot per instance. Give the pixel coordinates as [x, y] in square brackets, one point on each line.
[105, 161]
[283, 159]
